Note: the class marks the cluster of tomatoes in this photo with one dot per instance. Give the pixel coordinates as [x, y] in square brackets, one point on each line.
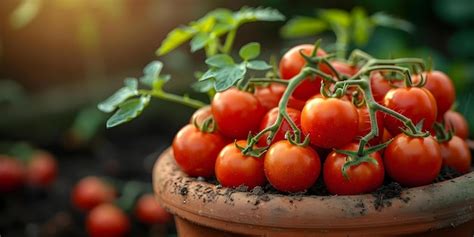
[105, 218]
[334, 125]
[38, 171]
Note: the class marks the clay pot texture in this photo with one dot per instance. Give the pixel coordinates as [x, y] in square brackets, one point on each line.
[204, 209]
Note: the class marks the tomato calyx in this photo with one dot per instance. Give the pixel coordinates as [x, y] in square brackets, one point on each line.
[207, 126]
[443, 134]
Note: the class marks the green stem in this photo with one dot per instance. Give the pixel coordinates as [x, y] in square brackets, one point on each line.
[196, 104]
[269, 80]
[229, 41]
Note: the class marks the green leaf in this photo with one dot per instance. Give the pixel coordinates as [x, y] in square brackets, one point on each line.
[335, 16]
[174, 39]
[247, 14]
[258, 65]
[220, 60]
[207, 75]
[129, 90]
[222, 15]
[361, 26]
[228, 76]
[383, 19]
[128, 110]
[250, 51]
[302, 27]
[199, 41]
[151, 73]
[203, 86]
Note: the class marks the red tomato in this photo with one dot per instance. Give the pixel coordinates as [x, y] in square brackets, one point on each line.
[12, 174]
[295, 103]
[291, 168]
[365, 125]
[107, 220]
[341, 67]
[201, 115]
[380, 86]
[269, 96]
[363, 178]
[413, 161]
[90, 192]
[271, 117]
[42, 169]
[237, 113]
[195, 151]
[415, 103]
[291, 64]
[442, 89]
[455, 121]
[331, 123]
[456, 154]
[234, 169]
[149, 211]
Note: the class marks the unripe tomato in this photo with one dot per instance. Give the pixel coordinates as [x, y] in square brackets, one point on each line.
[291, 64]
[12, 174]
[456, 154]
[442, 89]
[455, 121]
[195, 152]
[234, 169]
[330, 123]
[107, 220]
[42, 169]
[291, 168]
[413, 161]
[271, 117]
[415, 103]
[149, 211]
[237, 113]
[269, 96]
[90, 192]
[362, 178]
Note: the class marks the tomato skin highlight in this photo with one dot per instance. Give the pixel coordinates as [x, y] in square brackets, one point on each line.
[12, 174]
[291, 168]
[237, 113]
[456, 154]
[415, 103]
[271, 117]
[363, 178]
[442, 89]
[90, 192]
[330, 122]
[269, 96]
[234, 169]
[149, 211]
[42, 169]
[195, 152]
[455, 121]
[413, 161]
[107, 220]
[292, 63]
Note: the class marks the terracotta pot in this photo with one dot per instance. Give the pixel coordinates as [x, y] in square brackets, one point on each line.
[204, 209]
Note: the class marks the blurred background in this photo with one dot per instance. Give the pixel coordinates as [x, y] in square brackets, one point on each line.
[59, 58]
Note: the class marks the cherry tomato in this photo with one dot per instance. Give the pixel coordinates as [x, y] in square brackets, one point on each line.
[455, 121]
[237, 113]
[271, 117]
[195, 151]
[12, 174]
[291, 64]
[149, 211]
[362, 178]
[365, 125]
[90, 192]
[201, 115]
[234, 169]
[291, 168]
[456, 154]
[341, 67]
[330, 122]
[42, 169]
[415, 103]
[295, 103]
[442, 89]
[269, 96]
[107, 220]
[413, 161]
[379, 86]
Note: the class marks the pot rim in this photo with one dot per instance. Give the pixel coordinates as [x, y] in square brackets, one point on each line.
[434, 206]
